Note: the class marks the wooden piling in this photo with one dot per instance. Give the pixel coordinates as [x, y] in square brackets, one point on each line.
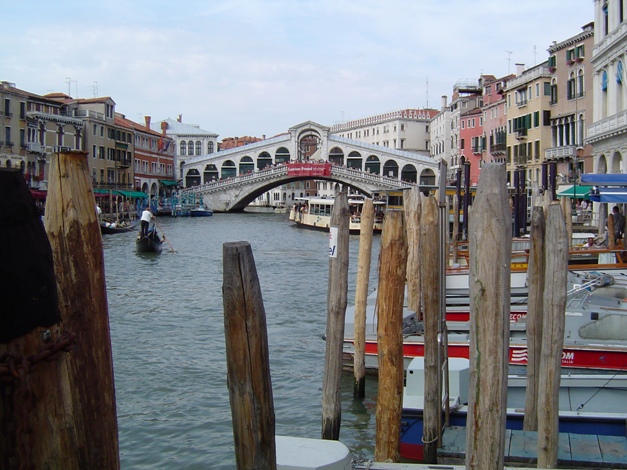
[455, 234]
[611, 242]
[430, 268]
[412, 208]
[74, 233]
[336, 314]
[567, 210]
[36, 428]
[490, 261]
[556, 256]
[248, 360]
[390, 300]
[535, 312]
[366, 227]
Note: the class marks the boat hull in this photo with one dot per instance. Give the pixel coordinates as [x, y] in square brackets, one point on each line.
[148, 244]
[200, 213]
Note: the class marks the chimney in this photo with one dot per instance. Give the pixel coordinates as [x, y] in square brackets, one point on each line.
[263, 136]
[147, 118]
[443, 101]
[520, 68]
[164, 126]
[180, 118]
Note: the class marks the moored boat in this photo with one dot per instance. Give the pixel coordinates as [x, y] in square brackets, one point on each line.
[315, 213]
[595, 325]
[201, 212]
[589, 404]
[150, 243]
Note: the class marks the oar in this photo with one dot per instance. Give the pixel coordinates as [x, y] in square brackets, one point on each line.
[163, 236]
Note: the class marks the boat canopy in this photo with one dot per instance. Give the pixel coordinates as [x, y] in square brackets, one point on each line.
[609, 188]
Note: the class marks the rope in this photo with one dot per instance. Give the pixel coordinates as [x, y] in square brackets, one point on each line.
[595, 393]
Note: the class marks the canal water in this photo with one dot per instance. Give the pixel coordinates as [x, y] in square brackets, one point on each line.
[167, 329]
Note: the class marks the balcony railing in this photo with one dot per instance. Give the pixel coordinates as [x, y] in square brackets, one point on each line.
[609, 124]
[565, 151]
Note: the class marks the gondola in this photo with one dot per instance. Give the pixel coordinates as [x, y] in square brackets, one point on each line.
[150, 243]
[110, 228]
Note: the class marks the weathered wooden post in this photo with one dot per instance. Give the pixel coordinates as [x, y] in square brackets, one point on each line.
[611, 243]
[455, 235]
[336, 313]
[412, 207]
[74, 233]
[36, 429]
[567, 210]
[490, 271]
[556, 277]
[366, 227]
[430, 268]
[390, 300]
[535, 312]
[248, 360]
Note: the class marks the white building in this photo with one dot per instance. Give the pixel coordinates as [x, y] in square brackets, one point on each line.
[608, 133]
[407, 129]
[440, 134]
[190, 140]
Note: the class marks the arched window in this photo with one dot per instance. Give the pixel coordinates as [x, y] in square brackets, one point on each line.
[198, 147]
[604, 81]
[190, 147]
[210, 147]
[183, 147]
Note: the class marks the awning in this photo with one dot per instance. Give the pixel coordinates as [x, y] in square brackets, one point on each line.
[38, 194]
[133, 194]
[576, 192]
[169, 182]
[612, 179]
[105, 192]
[610, 195]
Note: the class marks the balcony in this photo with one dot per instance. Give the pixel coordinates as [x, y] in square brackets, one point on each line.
[36, 147]
[607, 127]
[561, 153]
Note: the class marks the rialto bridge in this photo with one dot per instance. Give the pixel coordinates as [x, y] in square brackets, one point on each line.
[231, 179]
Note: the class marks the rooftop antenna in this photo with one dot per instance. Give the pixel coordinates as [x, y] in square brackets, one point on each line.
[95, 87]
[509, 60]
[535, 61]
[427, 91]
[68, 80]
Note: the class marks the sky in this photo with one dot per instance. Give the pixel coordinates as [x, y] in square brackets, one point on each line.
[259, 67]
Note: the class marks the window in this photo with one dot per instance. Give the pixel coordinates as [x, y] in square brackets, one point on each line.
[536, 119]
[22, 110]
[209, 147]
[552, 62]
[198, 148]
[571, 84]
[604, 81]
[546, 118]
[579, 52]
[547, 88]
[7, 136]
[7, 107]
[183, 147]
[190, 148]
[619, 72]
[537, 90]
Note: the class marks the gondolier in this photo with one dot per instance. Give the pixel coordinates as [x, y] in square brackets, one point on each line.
[147, 216]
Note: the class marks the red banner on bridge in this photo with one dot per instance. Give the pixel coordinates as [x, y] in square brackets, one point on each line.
[308, 169]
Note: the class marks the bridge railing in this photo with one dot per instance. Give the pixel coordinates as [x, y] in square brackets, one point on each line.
[247, 178]
[371, 178]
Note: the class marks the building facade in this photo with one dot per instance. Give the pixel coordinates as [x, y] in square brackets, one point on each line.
[189, 141]
[407, 129]
[608, 131]
[33, 128]
[494, 120]
[440, 133]
[528, 98]
[571, 105]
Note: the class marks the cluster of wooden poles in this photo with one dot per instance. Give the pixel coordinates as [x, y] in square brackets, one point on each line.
[57, 395]
[411, 254]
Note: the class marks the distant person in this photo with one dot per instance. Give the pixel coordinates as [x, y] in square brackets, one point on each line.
[98, 211]
[147, 216]
[619, 224]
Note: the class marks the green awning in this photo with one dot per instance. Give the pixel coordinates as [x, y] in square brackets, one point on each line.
[133, 194]
[577, 192]
[106, 192]
[169, 182]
